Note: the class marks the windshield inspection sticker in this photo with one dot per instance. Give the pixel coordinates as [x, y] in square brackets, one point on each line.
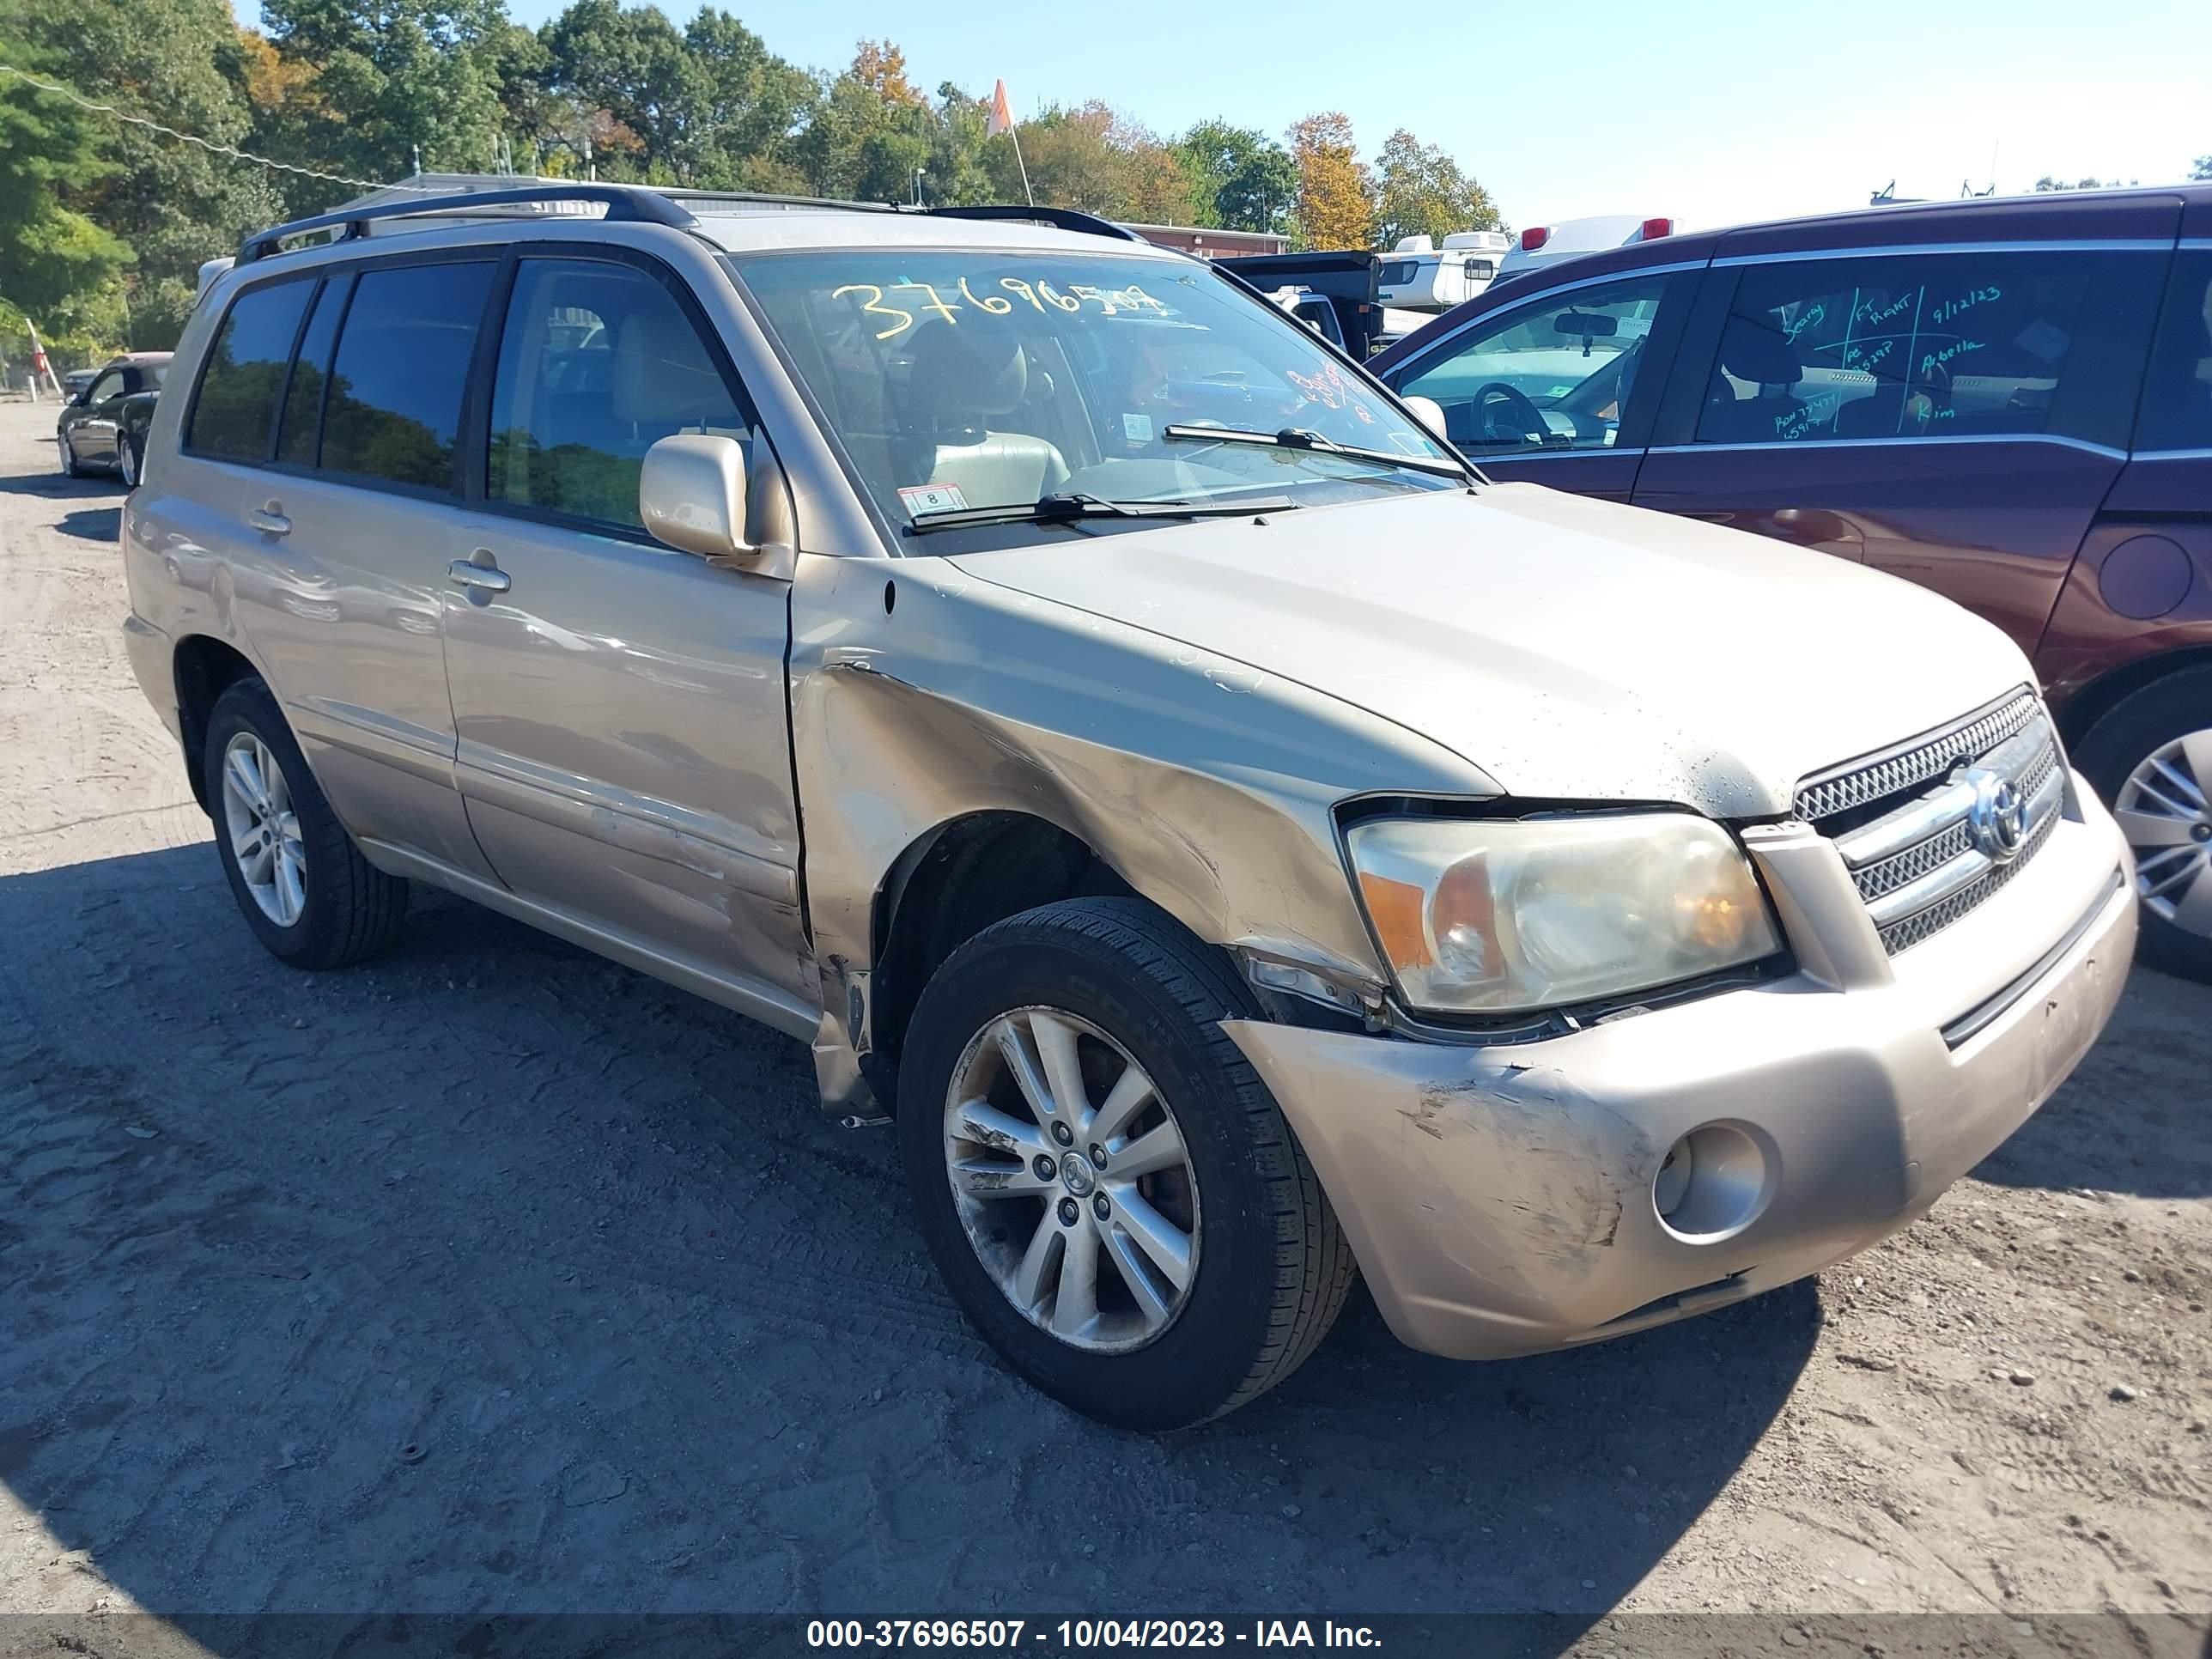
[932, 498]
[1137, 429]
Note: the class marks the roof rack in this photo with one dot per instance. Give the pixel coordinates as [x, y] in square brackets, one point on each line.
[631, 202]
[769, 198]
[1058, 217]
[641, 204]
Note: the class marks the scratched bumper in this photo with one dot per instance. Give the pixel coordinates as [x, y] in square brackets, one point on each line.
[1500, 1198]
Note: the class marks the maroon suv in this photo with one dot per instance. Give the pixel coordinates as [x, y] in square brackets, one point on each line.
[2007, 400]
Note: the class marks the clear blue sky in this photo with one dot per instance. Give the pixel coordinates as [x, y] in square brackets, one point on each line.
[1716, 111]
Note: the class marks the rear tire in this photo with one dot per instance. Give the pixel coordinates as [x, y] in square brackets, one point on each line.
[128, 460]
[304, 890]
[1267, 1266]
[2150, 760]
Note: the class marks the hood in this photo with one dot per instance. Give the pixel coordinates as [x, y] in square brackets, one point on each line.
[1571, 648]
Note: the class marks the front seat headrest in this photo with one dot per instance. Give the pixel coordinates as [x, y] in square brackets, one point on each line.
[1752, 351]
[961, 375]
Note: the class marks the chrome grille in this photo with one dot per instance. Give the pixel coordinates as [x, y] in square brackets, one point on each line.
[1923, 758]
[1903, 820]
[1905, 934]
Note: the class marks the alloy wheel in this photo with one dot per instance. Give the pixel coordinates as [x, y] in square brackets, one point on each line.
[130, 466]
[1071, 1180]
[2164, 812]
[263, 830]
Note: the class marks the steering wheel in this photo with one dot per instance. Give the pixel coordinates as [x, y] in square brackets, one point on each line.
[1499, 402]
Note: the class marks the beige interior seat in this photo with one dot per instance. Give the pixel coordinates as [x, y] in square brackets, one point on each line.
[962, 378]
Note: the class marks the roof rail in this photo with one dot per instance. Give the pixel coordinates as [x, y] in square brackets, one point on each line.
[1059, 218]
[769, 199]
[623, 201]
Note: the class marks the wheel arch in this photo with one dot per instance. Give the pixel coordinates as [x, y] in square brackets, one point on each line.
[948, 885]
[205, 667]
[2100, 696]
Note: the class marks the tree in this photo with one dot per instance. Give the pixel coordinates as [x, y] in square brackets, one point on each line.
[1336, 206]
[634, 65]
[55, 263]
[2201, 168]
[1422, 191]
[393, 80]
[750, 105]
[881, 68]
[2047, 182]
[174, 205]
[1240, 177]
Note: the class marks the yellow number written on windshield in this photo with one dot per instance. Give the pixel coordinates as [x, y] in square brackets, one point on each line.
[1041, 295]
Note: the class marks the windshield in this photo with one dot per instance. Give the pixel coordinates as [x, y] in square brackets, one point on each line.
[958, 380]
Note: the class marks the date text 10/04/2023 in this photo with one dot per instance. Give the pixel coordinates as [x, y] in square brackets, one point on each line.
[1111, 301]
[1084, 1635]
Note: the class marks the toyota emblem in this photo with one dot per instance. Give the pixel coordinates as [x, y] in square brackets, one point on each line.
[1998, 821]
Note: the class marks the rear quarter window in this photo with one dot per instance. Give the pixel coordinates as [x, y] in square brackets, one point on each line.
[2176, 407]
[236, 406]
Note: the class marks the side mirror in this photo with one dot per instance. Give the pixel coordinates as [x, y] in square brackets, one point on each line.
[691, 494]
[1428, 412]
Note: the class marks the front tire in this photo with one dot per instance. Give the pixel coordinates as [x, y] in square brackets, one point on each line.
[71, 467]
[2150, 759]
[128, 461]
[1114, 1198]
[302, 885]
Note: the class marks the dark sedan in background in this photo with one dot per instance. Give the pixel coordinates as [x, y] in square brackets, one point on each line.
[2007, 400]
[103, 427]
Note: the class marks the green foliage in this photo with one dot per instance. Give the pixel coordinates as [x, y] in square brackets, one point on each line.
[173, 204]
[103, 224]
[55, 263]
[2201, 168]
[1420, 191]
[388, 82]
[1243, 179]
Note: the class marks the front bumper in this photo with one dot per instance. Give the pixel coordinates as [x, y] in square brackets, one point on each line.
[1500, 1198]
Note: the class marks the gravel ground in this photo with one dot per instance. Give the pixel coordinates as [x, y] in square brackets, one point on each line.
[494, 1277]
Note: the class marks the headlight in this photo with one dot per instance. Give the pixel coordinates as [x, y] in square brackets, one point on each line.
[1493, 917]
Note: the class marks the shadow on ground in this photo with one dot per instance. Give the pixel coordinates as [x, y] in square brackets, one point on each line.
[494, 1277]
[57, 485]
[94, 524]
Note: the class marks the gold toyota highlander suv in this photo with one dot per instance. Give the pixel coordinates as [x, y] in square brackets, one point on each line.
[1238, 842]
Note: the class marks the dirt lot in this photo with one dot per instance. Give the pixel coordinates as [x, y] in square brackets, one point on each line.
[495, 1277]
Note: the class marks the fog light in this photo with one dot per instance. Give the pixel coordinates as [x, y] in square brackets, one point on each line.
[1714, 1183]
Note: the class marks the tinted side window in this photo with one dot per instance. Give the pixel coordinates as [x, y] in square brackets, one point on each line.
[1552, 374]
[1917, 346]
[2176, 408]
[596, 364]
[109, 385]
[394, 407]
[237, 401]
[301, 426]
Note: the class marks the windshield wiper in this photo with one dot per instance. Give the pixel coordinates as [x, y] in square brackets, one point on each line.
[1076, 504]
[1297, 437]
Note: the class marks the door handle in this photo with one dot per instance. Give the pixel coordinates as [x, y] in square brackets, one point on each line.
[488, 579]
[270, 520]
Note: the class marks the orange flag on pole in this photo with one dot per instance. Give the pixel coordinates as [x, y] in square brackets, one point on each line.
[1002, 121]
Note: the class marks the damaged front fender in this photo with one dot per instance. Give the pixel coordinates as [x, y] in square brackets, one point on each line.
[920, 695]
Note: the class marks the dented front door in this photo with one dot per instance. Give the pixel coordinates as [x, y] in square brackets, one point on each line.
[623, 747]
